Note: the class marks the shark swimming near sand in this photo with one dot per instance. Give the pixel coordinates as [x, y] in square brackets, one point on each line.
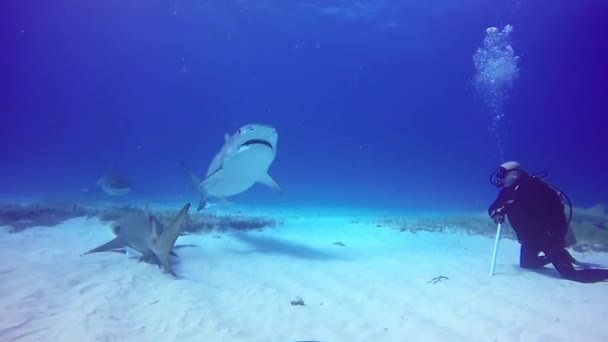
[144, 233]
[113, 183]
[242, 161]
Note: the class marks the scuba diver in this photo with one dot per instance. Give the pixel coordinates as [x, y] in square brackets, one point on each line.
[536, 213]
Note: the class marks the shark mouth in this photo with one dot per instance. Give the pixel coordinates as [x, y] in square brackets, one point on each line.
[257, 142]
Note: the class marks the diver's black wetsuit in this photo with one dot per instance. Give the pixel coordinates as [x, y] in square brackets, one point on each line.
[536, 213]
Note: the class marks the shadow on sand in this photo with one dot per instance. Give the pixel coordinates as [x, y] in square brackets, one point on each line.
[270, 245]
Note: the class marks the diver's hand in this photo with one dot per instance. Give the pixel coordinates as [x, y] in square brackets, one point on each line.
[498, 215]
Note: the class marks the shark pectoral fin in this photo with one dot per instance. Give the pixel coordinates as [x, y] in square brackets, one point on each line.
[269, 181]
[194, 179]
[111, 246]
[164, 245]
[120, 250]
[145, 257]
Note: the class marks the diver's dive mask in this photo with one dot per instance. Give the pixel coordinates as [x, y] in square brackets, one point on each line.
[503, 177]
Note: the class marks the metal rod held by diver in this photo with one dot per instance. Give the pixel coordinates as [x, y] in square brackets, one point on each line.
[496, 241]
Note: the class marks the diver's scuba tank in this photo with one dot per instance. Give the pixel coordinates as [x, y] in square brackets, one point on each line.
[570, 238]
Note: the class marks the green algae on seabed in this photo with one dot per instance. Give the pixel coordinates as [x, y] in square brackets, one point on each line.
[589, 237]
[22, 217]
[19, 217]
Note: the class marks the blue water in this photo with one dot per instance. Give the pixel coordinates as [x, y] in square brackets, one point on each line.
[373, 100]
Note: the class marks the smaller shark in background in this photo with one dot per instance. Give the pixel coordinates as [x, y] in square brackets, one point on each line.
[144, 233]
[597, 215]
[114, 184]
[242, 161]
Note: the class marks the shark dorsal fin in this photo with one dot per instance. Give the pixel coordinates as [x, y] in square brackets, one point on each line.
[163, 246]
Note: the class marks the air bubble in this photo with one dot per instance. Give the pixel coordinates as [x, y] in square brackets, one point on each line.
[496, 69]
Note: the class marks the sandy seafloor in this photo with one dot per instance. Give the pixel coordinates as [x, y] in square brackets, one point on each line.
[238, 286]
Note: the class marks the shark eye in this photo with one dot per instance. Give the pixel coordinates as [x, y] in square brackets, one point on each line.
[116, 229]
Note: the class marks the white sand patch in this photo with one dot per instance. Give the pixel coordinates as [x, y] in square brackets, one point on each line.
[238, 287]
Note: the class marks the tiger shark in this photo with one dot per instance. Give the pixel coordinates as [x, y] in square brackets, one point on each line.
[114, 184]
[242, 161]
[144, 233]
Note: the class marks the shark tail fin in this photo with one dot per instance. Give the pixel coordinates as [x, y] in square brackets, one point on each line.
[164, 244]
[111, 246]
[194, 179]
[203, 204]
[196, 182]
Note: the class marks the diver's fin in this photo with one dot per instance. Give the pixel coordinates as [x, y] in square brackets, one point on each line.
[270, 182]
[111, 246]
[589, 265]
[585, 265]
[164, 245]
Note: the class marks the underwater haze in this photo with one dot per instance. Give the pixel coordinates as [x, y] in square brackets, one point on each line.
[385, 104]
[343, 155]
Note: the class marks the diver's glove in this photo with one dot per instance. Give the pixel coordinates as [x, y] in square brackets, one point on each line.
[498, 216]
